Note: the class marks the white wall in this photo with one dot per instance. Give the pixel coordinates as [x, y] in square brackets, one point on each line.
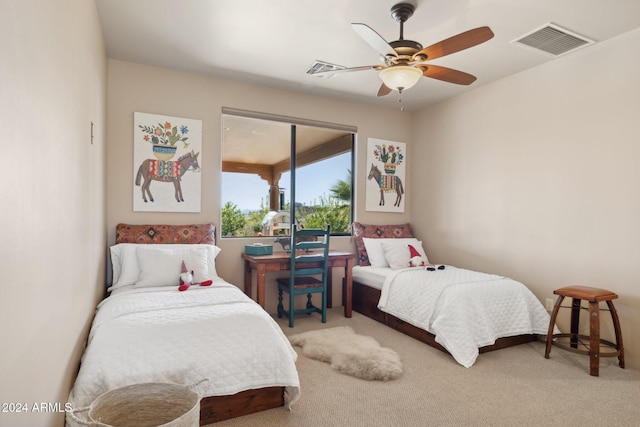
[536, 176]
[134, 88]
[52, 251]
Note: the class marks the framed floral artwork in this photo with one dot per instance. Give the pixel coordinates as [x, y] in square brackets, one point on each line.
[385, 185]
[166, 163]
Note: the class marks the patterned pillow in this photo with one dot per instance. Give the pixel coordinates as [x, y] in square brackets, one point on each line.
[163, 234]
[376, 231]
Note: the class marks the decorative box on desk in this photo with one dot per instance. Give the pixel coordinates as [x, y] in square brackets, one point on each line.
[258, 249]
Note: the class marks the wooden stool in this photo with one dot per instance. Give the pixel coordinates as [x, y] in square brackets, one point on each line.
[594, 296]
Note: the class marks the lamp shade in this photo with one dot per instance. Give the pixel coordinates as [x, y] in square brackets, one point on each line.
[400, 77]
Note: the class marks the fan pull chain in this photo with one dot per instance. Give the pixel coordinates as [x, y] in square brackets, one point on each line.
[400, 101]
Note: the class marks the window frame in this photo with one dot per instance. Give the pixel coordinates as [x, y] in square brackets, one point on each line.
[293, 123]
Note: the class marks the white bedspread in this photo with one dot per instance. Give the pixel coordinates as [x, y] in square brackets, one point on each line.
[464, 309]
[163, 335]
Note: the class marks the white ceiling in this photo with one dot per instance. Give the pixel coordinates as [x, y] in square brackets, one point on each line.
[273, 42]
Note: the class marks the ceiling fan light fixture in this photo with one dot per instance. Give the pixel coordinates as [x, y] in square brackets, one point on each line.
[400, 77]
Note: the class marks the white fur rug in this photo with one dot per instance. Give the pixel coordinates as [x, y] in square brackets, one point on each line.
[349, 353]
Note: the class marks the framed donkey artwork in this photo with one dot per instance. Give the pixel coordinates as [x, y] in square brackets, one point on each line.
[166, 163]
[385, 185]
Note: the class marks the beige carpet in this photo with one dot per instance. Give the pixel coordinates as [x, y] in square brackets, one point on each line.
[510, 387]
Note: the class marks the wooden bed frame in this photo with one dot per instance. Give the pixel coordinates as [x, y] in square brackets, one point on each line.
[365, 301]
[218, 408]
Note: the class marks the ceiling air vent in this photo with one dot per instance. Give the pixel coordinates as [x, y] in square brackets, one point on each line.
[319, 66]
[553, 40]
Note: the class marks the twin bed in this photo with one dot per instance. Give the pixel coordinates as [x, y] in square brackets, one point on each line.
[148, 331]
[458, 311]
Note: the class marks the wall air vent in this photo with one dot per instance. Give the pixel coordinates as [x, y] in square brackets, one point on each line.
[319, 66]
[553, 40]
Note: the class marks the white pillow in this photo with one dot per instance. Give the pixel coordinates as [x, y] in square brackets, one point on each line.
[124, 265]
[162, 266]
[374, 252]
[397, 253]
[126, 270]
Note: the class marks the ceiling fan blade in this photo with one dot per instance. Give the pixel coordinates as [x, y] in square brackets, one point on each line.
[374, 39]
[346, 70]
[456, 43]
[448, 75]
[384, 90]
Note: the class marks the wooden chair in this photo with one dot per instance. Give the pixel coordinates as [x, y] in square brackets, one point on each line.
[307, 272]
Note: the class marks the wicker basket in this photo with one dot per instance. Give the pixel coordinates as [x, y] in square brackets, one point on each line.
[144, 405]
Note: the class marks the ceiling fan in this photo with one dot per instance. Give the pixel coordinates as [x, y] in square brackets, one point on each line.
[404, 60]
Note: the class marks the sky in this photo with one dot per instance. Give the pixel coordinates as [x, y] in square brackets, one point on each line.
[314, 180]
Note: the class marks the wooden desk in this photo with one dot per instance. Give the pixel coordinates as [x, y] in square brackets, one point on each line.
[280, 261]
